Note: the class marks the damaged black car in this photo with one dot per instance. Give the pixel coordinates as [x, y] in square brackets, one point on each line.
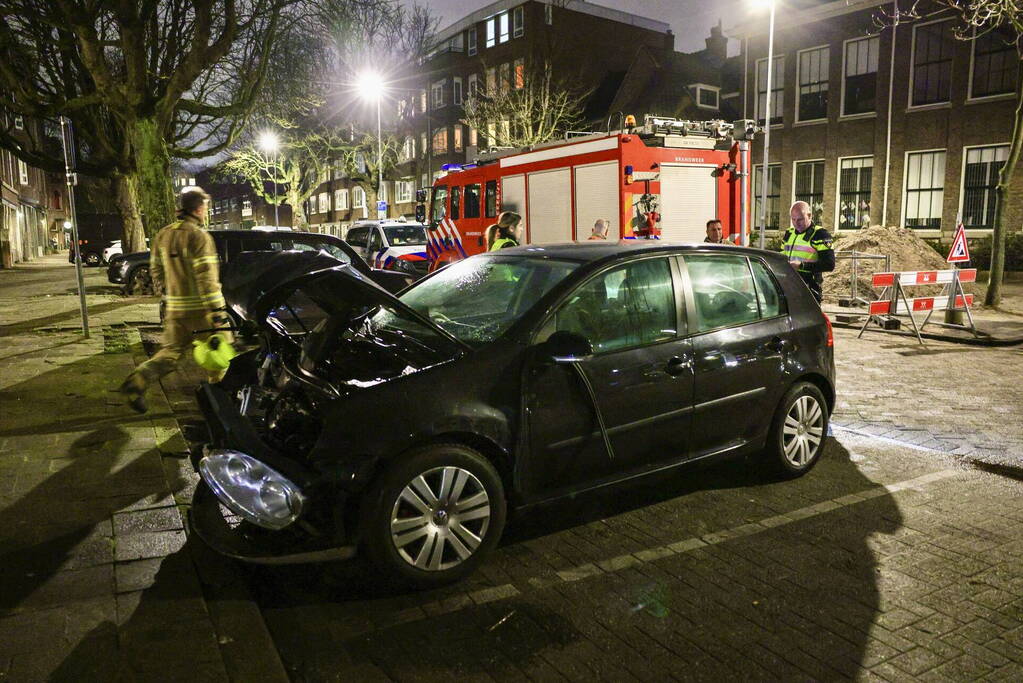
[408, 428]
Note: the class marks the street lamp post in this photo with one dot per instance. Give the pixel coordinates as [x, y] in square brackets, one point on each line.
[371, 89]
[767, 125]
[269, 142]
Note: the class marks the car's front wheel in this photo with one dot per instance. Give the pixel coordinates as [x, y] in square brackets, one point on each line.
[139, 282]
[798, 431]
[92, 259]
[434, 515]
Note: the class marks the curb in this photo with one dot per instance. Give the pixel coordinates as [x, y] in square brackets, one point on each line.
[969, 341]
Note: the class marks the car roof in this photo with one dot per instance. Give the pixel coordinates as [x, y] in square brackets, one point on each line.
[389, 223]
[597, 250]
[270, 234]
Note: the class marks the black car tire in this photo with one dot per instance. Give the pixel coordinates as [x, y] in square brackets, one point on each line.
[92, 259]
[798, 431]
[384, 509]
[139, 282]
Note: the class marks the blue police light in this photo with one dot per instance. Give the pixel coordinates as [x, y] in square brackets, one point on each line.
[451, 167]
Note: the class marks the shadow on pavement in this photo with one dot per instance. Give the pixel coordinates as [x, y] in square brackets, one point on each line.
[46, 321]
[794, 601]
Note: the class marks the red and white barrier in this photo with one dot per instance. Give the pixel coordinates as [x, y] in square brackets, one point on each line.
[920, 303]
[924, 277]
[893, 300]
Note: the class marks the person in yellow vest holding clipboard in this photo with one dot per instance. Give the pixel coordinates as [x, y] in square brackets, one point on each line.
[808, 249]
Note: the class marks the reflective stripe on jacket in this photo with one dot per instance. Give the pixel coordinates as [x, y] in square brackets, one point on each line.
[805, 246]
[185, 266]
[502, 243]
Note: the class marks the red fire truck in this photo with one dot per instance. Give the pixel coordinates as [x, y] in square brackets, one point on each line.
[662, 180]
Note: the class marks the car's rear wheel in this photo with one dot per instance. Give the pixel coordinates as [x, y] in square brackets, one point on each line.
[433, 516]
[798, 431]
[139, 281]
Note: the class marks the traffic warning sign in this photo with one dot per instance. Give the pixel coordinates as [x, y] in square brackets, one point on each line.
[959, 252]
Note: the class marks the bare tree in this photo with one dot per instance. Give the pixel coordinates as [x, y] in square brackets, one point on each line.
[976, 18]
[525, 107]
[143, 81]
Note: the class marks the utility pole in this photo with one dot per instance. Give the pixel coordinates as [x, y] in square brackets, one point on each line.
[67, 138]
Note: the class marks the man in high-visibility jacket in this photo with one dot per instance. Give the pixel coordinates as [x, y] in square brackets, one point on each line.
[808, 248]
[184, 265]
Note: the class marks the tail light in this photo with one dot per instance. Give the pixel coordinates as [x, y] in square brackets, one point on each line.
[831, 332]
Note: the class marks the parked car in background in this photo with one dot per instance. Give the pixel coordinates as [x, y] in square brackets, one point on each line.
[113, 250]
[406, 427]
[392, 244]
[132, 270]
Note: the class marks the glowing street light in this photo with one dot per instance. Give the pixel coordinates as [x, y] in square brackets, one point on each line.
[767, 119]
[270, 144]
[371, 88]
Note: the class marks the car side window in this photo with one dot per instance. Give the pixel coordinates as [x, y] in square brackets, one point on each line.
[357, 237]
[630, 305]
[375, 243]
[768, 293]
[723, 290]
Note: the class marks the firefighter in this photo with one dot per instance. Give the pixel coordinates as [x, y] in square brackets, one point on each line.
[504, 233]
[184, 265]
[599, 229]
[808, 248]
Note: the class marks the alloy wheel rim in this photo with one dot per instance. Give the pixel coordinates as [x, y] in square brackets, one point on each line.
[440, 518]
[803, 431]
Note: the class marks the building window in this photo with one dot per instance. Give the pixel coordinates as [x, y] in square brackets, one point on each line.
[339, 170]
[502, 20]
[491, 80]
[358, 197]
[505, 76]
[994, 64]
[456, 90]
[408, 149]
[246, 207]
[933, 45]
[472, 86]
[706, 97]
[324, 202]
[438, 94]
[473, 137]
[491, 30]
[517, 22]
[382, 192]
[777, 87]
[812, 103]
[980, 178]
[22, 172]
[548, 14]
[925, 189]
[519, 74]
[341, 200]
[403, 191]
[471, 40]
[860, 85]
[458, 137]
[809, 187]
[440, 141]
[422, 144]
[490, 199]
[854, 176]
[773, 194]
[19, 122]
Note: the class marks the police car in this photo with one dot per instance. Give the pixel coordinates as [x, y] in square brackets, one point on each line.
[391, 244]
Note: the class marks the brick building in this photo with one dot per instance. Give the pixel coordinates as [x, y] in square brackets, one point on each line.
[233, 206]
[930, 157]
[26, 224]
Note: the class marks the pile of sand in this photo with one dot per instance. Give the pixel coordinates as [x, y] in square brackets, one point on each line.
[907, 252]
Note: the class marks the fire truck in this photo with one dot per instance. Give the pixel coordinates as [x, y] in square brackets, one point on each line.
[662, 180]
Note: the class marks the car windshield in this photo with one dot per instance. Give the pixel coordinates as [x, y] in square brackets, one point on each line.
[405, 235]
[477, 299]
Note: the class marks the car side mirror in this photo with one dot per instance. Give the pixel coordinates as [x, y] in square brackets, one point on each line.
[565, 347]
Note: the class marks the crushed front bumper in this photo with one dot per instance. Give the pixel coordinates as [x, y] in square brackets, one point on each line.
[215, 524]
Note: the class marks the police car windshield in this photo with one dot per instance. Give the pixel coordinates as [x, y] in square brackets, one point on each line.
[405, 235]
[477, 299]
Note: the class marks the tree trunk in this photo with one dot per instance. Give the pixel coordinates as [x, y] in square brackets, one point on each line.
[126, 197]
[1001, 227]
[298, 219]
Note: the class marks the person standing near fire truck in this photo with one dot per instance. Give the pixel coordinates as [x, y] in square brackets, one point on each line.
[505, 232]
[808, 249]
[599, 229]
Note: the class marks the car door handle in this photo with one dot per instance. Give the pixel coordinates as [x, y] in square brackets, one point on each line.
[678, 365]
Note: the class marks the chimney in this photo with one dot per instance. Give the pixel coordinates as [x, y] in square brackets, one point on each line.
[669, 41]
[717, 44]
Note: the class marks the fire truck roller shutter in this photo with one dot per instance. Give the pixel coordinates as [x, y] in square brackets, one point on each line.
[550, 206]
[689, 198]
[513, 194]
[596, 196]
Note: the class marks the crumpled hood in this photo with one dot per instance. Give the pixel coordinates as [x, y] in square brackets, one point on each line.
[254, 283]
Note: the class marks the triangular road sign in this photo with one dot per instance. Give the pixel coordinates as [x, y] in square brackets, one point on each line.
[959, 252]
